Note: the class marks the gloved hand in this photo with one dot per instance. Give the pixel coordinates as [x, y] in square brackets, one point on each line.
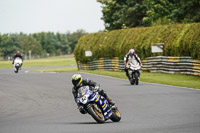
[82, 110]
[96, 88]
[127, 66]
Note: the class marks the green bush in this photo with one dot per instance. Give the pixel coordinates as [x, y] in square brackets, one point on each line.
[179, 40]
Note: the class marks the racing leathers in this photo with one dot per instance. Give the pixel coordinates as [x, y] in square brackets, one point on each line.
[16, 57]
[95, 88]
[134, 59]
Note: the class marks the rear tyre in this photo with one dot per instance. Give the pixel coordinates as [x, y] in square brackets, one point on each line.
[96, 113]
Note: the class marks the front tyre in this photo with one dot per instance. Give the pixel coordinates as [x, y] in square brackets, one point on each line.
[132, 79]
[16, 69]
[136, 78]
[96, 113]
[116, 116]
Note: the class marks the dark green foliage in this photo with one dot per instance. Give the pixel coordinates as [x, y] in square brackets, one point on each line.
[119, 14]
[179, 39]
[9, 44]
[74, 37]
[28, 43]
[39, 43]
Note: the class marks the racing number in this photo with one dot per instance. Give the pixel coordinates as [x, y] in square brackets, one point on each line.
[83, 99]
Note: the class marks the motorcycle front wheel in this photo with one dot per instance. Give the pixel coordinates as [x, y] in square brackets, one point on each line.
[116, 117]
[16, 69]
[132, 81]
[96, 113]
[136, 75]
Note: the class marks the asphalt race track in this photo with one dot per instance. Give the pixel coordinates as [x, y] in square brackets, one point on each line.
[43, 103]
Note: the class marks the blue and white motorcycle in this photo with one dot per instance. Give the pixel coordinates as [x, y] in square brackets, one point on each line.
[97, 106]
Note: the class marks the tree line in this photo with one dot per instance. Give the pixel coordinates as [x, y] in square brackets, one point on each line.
[39, 44]
[118, 14]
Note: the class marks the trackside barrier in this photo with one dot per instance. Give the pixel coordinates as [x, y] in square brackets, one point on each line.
[163, 64]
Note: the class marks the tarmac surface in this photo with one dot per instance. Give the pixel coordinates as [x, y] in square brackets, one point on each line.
[43, 103]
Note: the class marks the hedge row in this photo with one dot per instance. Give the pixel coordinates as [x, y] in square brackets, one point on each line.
[179, 40]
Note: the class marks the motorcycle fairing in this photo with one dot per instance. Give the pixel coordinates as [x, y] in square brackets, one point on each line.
[85, 96]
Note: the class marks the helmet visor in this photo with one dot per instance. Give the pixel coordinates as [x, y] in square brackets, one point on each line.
[76, 82]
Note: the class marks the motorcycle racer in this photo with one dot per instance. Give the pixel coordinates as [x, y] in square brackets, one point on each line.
[78, 82]
[131, 57]
[18, 54]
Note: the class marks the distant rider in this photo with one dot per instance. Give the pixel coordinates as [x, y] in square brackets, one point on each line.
[78, 82]
[131, 57]
[18, 54]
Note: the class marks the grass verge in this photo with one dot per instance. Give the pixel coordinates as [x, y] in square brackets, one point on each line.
[51, 61]
[59, 70]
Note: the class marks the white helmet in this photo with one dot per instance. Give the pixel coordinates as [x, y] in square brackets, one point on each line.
[131, 52]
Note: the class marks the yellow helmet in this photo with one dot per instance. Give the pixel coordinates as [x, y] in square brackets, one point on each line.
[76, 79]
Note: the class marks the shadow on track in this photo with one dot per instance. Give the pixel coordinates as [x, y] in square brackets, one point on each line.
[81, 123]
[128, 84]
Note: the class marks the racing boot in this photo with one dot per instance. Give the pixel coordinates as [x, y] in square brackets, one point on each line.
[110, 101]
[130, 80]
[101, 92]
[82, 110]
[20, 67]
[138, 75]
